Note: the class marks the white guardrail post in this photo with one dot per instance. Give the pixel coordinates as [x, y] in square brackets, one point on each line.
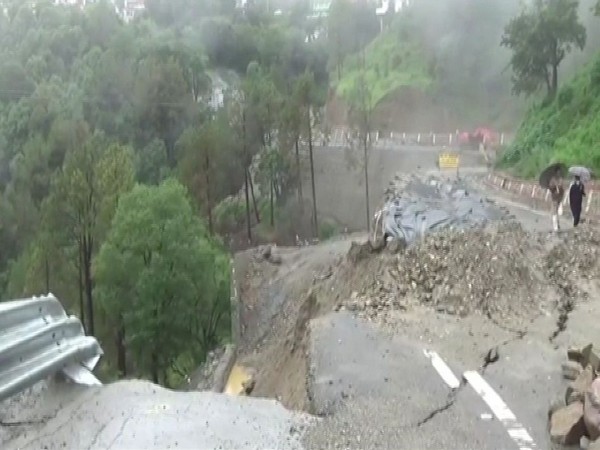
[37, 340]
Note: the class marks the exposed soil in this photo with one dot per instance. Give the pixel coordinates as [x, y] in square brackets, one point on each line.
[277, 301]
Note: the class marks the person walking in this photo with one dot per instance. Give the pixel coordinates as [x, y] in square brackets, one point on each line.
[576, 194]
[557, 192]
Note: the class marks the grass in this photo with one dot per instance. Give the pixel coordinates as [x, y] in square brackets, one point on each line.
[566, 129]
[392, 61]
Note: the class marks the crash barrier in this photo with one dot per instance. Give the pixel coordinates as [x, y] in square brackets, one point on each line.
[37, 340]
[531, 193]
[342, 137]
[448, 160]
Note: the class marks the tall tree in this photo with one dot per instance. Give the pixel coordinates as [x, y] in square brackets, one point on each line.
[82, 202]
[361, 112]
[540, 37]
[307, 97]
[162, 273]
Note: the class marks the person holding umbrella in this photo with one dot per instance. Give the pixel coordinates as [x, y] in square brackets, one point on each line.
[552, 179]
[577, 191]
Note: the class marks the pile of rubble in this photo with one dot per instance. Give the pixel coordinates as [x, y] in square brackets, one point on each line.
[576, 258]
[459, 272]
[578, 414]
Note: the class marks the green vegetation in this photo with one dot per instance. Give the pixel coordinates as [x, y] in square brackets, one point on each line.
[118, 177]
[448, 50]
[392, 62]
[160, 258]
[565, 125]
[565, 129]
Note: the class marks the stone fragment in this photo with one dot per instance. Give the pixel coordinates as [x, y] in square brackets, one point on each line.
[575, 354]
[567, 426]
[590, 357]
[577, 389]
[571, 370]
[591, 411]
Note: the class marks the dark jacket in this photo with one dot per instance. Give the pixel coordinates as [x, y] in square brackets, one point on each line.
[576, 194]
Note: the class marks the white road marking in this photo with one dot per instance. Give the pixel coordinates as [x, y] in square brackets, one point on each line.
[515, 430]
[442, 368]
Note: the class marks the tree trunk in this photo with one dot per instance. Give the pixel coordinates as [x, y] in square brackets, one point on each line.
[88, 282]
[253, 196]
[208, 194]
[80, 286]
[299, 175]
[554, 82]
[47, 273]
[271, 194]
[246, 187]
[366, 157]
[121, 350]
[154, 368]
[312, 177]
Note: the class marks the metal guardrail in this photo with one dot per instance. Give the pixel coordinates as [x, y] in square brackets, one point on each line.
[340, 137]
[38, 339]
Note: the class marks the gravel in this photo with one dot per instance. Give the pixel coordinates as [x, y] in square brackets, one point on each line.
[486, 271]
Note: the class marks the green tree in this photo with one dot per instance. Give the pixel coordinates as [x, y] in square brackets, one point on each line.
[82, 201]
[540, 37]
[307, 98]
[168, 280]
[264, 103]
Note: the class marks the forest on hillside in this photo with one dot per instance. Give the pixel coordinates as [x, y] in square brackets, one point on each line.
[114, 165]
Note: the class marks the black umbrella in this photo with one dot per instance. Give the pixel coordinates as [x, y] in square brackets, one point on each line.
[555, 172]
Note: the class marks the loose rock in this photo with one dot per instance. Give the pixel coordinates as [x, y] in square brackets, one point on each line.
[591, 413]
[571, 370]
[577, 389]
[567, 426]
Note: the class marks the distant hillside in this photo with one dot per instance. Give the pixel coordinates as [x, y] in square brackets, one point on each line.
[566, 129]
[392, 61]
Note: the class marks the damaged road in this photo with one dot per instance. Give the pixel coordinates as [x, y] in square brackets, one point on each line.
[400, 402]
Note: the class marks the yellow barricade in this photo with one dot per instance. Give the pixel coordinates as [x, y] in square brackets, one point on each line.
[448, 161]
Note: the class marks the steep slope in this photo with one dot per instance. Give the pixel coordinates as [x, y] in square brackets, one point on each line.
[565, 129]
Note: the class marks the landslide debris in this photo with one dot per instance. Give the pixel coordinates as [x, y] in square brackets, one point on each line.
[486, 271]
[577, 414]
[574, 260]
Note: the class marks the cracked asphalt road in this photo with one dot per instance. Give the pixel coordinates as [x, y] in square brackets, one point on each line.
[398, 402]
[140, 415]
